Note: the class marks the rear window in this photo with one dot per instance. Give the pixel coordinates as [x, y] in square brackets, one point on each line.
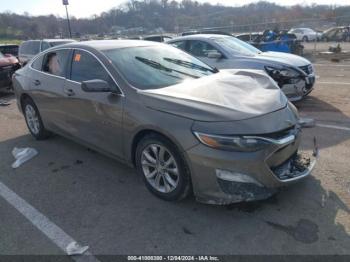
[10, 49]
[179, 44]
[30, 48]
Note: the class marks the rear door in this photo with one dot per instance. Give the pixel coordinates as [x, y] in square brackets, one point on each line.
[94, 118]
[47, 79]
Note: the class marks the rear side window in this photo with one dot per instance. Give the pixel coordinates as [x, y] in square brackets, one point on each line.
[86, 67]
[30, 48]
[55, 62]
[38, 63]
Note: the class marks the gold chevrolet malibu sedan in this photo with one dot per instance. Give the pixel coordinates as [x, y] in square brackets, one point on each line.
[226, 137]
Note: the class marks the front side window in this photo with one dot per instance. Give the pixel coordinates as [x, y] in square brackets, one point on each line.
[150, 67]
[200, 48]
[55, 62]
[86, 67]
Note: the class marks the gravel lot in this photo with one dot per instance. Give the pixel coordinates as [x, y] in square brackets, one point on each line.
[104, 204]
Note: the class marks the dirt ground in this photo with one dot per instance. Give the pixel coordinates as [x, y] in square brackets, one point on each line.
[104, 204]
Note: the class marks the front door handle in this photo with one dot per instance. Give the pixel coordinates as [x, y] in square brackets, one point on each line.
[69, 92]
[37, 82]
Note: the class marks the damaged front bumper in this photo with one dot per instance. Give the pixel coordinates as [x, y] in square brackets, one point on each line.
[297, 89]
[297, 167]
[230, 177]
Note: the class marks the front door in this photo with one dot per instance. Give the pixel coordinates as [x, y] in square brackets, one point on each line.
[94, 118]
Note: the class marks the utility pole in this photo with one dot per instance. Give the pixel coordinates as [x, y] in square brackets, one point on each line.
[65, 3]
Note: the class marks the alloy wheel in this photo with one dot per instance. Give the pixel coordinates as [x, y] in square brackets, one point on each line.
[160, 168]
[32, 119]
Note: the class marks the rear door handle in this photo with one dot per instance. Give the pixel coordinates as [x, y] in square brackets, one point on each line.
[37, 82]
[69, 92]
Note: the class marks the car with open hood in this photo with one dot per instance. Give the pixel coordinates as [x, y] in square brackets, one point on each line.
[294, 74]
[226, 136]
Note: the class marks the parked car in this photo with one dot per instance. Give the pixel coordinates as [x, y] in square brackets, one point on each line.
[294, 74]
[157, 38]
[28, 49]
[249, 37]
[271, 41]
[8, 65]
[304, 34]
[9, 49]
[229, 136]
[340, 33]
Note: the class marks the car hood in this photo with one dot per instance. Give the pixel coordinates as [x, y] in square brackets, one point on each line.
[225, 96]
[284, 58]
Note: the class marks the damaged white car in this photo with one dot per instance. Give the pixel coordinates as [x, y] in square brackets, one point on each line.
[294, 74]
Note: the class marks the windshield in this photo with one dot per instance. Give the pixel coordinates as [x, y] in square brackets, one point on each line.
[151, 67]
[237, 46]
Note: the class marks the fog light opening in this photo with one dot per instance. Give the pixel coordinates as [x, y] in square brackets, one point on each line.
[236, 177]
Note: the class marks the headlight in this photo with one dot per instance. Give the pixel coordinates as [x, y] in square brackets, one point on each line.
[232, 143]
[282, 72]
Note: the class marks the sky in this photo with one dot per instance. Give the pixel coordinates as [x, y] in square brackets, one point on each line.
[87, 8]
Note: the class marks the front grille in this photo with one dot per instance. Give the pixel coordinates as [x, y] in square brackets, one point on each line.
[282, 133]
[284, 153]
[307, 69]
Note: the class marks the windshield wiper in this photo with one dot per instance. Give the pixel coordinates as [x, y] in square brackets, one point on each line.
[190, 65]
[159, 66]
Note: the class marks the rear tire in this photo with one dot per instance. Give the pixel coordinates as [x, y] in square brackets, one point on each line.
[33, 120]
[163, 168]
[305, 39]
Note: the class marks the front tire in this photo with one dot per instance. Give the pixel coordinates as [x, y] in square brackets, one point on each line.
[305, 39]
[163, 168]
[33, 120]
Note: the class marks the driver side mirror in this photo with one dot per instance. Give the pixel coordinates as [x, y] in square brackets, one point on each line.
[95, 85]
[214, 54]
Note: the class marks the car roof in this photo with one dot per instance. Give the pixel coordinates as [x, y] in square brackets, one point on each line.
[110, 44]
[199, 36]
[58, 40]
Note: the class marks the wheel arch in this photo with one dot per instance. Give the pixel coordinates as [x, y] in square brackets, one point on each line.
[148, 131]
[23, 97]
